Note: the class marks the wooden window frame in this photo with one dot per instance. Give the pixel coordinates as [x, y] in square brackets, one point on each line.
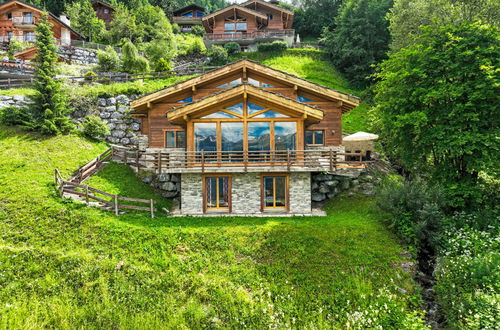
[263, 207]
[175, 137]
[228, 209]
[314, 140]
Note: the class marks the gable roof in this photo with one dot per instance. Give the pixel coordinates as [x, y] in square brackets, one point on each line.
[267, 4]
[103, 3]
[192, 6]
[348, 101]
[177, 114]
[54, 17]
[235, 7]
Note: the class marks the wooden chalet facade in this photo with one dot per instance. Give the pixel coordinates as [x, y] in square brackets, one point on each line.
[249, 24]
[188, 16]
[18, 21]
[245, 138]
[104, 11]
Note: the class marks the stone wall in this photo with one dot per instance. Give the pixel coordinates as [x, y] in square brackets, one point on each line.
[327, 186]
[13, 101]
[78, 55]
[246, 194]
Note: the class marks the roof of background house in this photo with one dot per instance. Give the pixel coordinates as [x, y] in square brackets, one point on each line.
[265, 3]
[105, 4]
[188, 7]
[245, 9]
[361, 136]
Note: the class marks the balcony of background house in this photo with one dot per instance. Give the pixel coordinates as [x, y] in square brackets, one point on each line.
[253, 36]
[28, 37]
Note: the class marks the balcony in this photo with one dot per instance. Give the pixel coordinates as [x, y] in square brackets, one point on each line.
[250, 36]
[181, 161]
[187, 20]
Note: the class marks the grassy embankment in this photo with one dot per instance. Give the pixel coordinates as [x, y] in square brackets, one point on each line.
[58, 259]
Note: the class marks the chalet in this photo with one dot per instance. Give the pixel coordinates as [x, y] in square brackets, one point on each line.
[188, 16]
[104, 11]
[18, 21]
[249, 23]
[244, 138]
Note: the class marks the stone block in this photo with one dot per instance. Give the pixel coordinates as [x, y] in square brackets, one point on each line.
[163, 177]
[125, 141]
[169, 186]
[123, 109]
[116, 115]
[111, 101]
[169, 194]
[135, 126]
[318, 197]
[101, 102]
[122, 99]
[118, 134]
[105, 115]
[323, 177]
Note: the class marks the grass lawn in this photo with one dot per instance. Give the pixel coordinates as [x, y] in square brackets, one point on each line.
[59, 259]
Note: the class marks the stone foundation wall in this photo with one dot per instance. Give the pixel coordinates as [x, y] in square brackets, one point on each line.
[78, 55]
[13, 101]
[246, 193]
[328, 186]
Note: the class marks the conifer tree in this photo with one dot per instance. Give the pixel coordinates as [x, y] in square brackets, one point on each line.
[50, 112]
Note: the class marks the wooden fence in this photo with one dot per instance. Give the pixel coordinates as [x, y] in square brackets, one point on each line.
[75, 187]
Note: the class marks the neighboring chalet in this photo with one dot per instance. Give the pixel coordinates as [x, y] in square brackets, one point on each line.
[18, 21]
[103, 11]
[248, 24]
[245, 138]
[188, 17]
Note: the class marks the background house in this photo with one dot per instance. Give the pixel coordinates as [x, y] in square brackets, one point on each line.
[188, 16]
[248, 24]
[104, 11]
[18, 21]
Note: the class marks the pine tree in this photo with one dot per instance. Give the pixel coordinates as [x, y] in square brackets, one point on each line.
[50, 112]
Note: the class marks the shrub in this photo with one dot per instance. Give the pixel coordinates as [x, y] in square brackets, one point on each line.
[275, 46]
[218, 55]
[132, 62]
[94, 127]
[233, 48]
[196, 47]
[15, 46]
[163, 65]
[198, 30]
[108, 61]
[14, 116]
[89, 75]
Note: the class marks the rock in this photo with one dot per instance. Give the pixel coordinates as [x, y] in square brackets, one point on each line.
[345, 184]
[323, 189]
[331, 183]
[135, 126]
[123, 109]
[368, 192]
[101, 102]
[110, 108]
[121, 127]
[18, 98]
[331, 195]
[111, 101]
[4, 105]
[118, 134]
[368, 185]
[125, 141]
[134, 140]
[111, 126]
[163, 177]
[169, 186]
[169, 194]
[130, 134]
[5, 97]
[112, 139]
[116, 115]
[122, 99]
[314, 185]
[318, 197]
[351, 194]
[175, 178]
[354, 183]
[323, 177]
[105, 115]
[147, 179]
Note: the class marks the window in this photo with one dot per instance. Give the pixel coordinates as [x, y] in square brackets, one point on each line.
[29, 36]
[9, 15]
[270, 17]
[304, 99]
[315, 137]
[217, 193]
[175, 139]
[235, 25]
[258, 83]
[27, 18]
[186, 100]
[274, 190]
[188, 14]
[106, 10]
[271, 114]
[10, 35]
[199, 14]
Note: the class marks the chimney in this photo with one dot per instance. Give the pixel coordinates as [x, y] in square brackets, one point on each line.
[63, 18]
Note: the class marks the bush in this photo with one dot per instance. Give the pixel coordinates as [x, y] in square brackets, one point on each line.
[89, 75]
[218, 55]
[15, 46]
[275, 46]
[14, 116]
[233, 48]
[163, 65]
[467, 279]
[132, 62]
[198, 30]
[94, 127]
[108, 61]
[415, 212]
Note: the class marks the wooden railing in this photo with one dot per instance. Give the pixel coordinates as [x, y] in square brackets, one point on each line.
[249, 35]
[296, 160]
[74, 187]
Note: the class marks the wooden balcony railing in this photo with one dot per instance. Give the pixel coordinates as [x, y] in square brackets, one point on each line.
[178, 161]
[250, 35]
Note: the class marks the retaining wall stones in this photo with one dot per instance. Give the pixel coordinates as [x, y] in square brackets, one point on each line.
[13, 101]
[78, 55]
[327, 186]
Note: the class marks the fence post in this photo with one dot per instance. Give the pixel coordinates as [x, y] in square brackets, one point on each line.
[288, 160]
[116, 204]
[152, 209]
[87, 194]
[202, 161]
[331, 160]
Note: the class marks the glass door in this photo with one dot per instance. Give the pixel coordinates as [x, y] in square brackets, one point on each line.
[217, 193]
[275, 192]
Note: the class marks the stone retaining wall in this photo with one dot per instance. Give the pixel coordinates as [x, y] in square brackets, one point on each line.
[327, 186]
[78, 55]
[13, 101]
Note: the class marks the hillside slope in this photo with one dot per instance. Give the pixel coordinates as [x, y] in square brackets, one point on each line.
[58, 259]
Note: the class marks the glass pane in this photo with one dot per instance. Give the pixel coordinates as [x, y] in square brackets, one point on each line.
[219, 114]
[284, 135]
[228, 26]
[223, 192]
[186, 100]
[205, 136]
[309, 137]
[235, 82]
[253, 82]
[271, 114]
[268, 192]
[259, 136]
[222, 86]
[241, 26]
[211, 184]
[318, 137]
[280, 191]
[190, 14]
[266, 85]
[181, 140]
[232, 140]
[237, 108]
[199, 14]
[253, 108]
[169, 139]
[304, 99]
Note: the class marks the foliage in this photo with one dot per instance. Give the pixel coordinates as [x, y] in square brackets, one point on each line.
[218, 55]
[335, 271]
[154, 24]
[94, 127]
[408, 16]
[89, 75]
[467, 279]
[84, 20]
[415, 212]
[49, 112]
[434, 110]
[14, 116]
[360, 39]
[189, 44]
[275, 46]
[312, 16]
[132, 62]
[160, 49]
[163, 65]
[108, 61]
[198, 30]
[232, 48]
[124, 26]
[16, 46]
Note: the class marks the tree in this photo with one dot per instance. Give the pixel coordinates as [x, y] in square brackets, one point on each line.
[313, 16]
[360, 39]
[132, 62]
[124, 26]
[84, 20]
[407, 16]
[437, 106]
[108, 61]
[50, 113]
[155, 24]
